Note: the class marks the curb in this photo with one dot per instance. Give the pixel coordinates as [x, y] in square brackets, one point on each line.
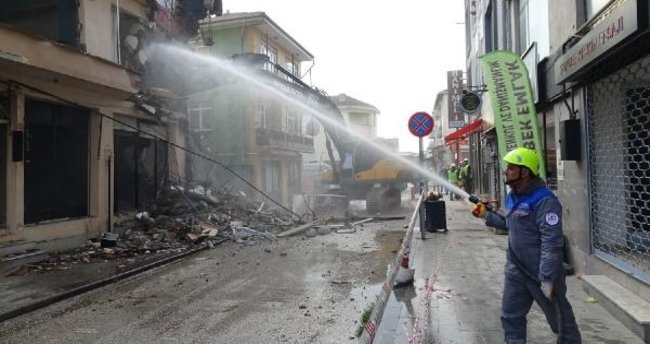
[97, 284]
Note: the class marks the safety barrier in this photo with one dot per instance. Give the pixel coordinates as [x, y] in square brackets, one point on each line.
[371, 326]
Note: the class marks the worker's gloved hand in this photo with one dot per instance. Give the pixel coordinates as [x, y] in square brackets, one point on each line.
[547, 289]
[479, 210]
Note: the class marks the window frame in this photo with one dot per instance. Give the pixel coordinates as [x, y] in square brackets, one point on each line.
[203, 108]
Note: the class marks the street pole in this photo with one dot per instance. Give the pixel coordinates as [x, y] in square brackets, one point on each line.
[421, 211]
[421, 141]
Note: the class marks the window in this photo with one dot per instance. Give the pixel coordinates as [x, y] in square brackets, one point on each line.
[524, 38]
[273, 57]
[490, 32]
[533, 26]
[291, 122]
[271, 170]
[127, 39]
[509, 44]
[263, 116]
[268, 50]
[594, 6]
[291, 66]
[294, 178]
[358, 118]
[201, 117]
[56, 20]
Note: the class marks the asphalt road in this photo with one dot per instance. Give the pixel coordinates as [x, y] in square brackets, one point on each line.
[305, 289]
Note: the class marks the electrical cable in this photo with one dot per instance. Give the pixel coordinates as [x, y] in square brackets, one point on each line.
[167, 142]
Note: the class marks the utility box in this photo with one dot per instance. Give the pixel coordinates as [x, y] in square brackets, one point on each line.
[436, 216]
[570, 139]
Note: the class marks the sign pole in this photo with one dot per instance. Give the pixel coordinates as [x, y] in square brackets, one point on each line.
[422, 162]
[421, 124]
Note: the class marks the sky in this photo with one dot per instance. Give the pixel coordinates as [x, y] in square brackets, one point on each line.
[392, 55]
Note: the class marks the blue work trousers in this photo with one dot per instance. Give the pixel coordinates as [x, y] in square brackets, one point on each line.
[518, 295]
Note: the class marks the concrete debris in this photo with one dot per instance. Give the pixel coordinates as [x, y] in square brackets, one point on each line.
[323, 230]
[180, 218]
[244, 233]
[362, 221]
[302, 228]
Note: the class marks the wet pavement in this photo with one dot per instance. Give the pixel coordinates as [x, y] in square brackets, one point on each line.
[465, 268]
[311, 288]
[305, 289]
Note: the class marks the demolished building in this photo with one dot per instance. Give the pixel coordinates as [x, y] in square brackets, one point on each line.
[84, 128]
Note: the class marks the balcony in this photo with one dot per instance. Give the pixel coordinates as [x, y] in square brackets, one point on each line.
[281, 140]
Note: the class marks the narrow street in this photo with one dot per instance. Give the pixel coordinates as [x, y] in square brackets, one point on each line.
[311, 288]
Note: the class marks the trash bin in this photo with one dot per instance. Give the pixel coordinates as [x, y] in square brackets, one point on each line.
[436, 216]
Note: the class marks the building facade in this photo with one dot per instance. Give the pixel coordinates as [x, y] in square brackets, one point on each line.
[588, 61]
[441, 155]
[83, 130]
[258, 134]
[597, 94]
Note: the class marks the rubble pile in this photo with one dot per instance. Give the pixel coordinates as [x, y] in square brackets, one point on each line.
[199, 213]
[178, 220]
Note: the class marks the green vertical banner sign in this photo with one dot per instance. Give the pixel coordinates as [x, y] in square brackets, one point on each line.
[515, 117]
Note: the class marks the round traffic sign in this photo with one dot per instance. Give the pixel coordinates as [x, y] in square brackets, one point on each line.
[421, 124]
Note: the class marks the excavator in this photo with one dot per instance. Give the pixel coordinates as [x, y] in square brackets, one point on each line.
[366, 174]
[363, 173]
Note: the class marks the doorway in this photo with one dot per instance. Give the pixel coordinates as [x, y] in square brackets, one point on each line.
[56, 161]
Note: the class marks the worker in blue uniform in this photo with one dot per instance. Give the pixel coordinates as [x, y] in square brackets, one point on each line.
[534, 266]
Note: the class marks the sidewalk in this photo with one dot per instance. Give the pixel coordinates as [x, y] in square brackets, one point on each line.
[466, 265]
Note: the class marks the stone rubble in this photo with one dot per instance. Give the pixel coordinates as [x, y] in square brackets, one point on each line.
[183, 218]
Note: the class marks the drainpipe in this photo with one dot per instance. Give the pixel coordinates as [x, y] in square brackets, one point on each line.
[117, 29]
[109, 227]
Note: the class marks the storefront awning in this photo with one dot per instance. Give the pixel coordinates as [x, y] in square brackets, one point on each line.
[463, 132]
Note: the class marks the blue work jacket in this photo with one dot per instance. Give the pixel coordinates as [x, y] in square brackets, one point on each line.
[533, 220]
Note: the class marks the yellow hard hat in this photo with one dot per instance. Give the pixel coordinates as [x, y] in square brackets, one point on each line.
[523, 157]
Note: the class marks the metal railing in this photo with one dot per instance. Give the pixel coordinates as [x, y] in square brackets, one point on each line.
[280, 139]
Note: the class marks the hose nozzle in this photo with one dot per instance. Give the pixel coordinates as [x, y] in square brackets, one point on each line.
[474, 199]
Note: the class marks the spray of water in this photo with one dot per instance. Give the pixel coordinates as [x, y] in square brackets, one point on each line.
[219, 68]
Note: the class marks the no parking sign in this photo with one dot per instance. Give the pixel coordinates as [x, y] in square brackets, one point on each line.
[421, 124]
